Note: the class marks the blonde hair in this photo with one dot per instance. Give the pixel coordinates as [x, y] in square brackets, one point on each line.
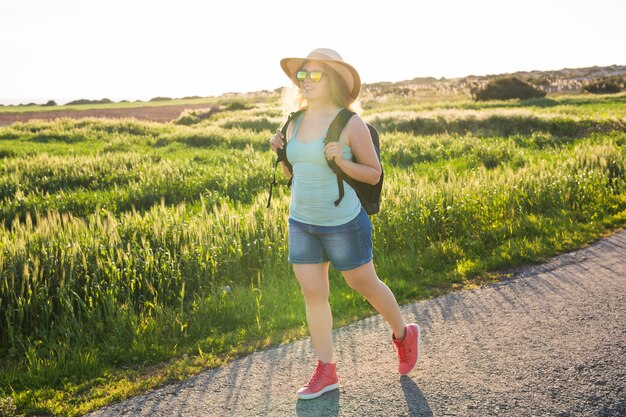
[292, 98]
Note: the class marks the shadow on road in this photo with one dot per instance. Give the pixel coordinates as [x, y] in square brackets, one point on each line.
[415, 401]
[327, 405]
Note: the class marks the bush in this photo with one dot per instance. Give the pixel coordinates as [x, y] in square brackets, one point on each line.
[237, 105]
[7, 153]
[506, 89]
[192, 117]
[603, 86]
[258, 125]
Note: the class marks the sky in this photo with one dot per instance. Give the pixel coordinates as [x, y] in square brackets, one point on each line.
[64, 50]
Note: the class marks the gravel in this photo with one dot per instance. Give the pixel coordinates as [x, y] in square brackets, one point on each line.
[550, 341]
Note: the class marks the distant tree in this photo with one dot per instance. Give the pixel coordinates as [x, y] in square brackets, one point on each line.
[51, 103]
[85, 101]
[506, 89]
[160, 99]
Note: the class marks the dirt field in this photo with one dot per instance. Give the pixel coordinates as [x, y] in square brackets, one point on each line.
[152, 113]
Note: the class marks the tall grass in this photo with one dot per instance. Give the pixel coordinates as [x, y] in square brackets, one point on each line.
[142, 243]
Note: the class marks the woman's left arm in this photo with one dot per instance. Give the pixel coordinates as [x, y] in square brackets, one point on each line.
[356, 135]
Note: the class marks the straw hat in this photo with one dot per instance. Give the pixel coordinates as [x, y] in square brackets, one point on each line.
[331, 58]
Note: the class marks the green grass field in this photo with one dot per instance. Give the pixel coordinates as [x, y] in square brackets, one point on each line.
[136, 253]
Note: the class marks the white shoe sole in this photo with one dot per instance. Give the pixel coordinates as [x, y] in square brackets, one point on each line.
[419, 344]
[320, 392]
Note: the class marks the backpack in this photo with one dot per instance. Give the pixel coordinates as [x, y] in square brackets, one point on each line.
[369, 195]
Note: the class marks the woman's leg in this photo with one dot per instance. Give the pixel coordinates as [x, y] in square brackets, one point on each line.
[364, 280]
[313, 279]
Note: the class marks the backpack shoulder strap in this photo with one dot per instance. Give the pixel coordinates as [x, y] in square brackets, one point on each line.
[337, 125]
[282, 153]
[291, 116]
[332, 135]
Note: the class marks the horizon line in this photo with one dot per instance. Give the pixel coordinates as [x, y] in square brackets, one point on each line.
[27, 101]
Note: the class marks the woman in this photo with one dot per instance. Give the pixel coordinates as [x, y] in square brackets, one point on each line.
[320, 232]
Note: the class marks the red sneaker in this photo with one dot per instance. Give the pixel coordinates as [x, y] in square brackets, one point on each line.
[408, 349]
[324, 379]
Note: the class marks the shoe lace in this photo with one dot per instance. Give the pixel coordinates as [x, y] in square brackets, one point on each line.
[315, 377]
[401, 350]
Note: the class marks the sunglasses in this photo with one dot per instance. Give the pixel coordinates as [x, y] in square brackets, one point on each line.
[315, 76]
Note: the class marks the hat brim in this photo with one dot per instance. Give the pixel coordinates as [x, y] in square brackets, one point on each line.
[346, 71]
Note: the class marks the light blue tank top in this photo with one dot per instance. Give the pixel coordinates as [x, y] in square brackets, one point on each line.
[314, 188]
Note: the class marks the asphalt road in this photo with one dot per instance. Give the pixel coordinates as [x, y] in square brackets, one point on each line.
[550, 341]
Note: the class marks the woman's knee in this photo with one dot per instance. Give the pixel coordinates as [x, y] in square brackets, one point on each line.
[363, 280]
[365, 287]
[314, 292]
[313, 282]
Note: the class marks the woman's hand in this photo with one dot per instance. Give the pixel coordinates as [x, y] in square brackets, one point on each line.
[277, 141]
[334, 150]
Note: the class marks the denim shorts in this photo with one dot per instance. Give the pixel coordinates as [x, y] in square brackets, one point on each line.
[346, 246]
